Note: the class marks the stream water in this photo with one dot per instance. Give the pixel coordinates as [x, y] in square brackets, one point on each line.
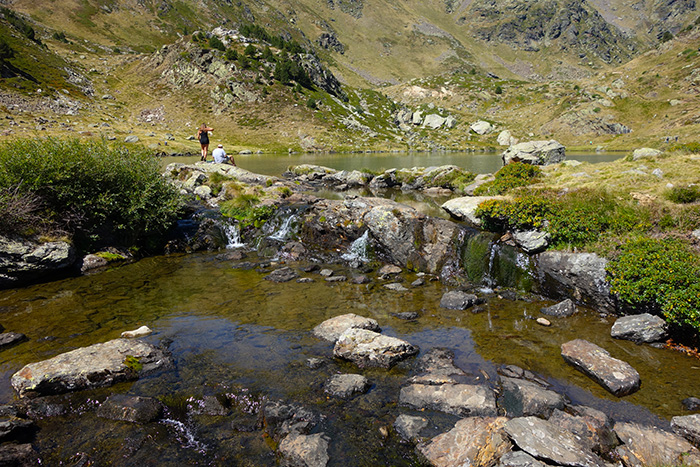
[239, 337]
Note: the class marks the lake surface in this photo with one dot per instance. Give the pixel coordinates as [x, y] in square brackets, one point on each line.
[276, 164]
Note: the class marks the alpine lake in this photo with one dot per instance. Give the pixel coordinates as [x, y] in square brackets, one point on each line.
[246, 340]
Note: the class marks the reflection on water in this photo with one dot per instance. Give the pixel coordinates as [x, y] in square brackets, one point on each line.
[276, 164]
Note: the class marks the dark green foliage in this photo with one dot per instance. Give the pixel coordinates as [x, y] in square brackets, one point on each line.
[287, 70]
[250, 51]
[258, 32]
[5, 50]
[267, 54]
[215, 43]
[684, 194]
[665, 37]
[90, 189]
[311, 103]
[510, 176]
[231, 55]
[19, 24]
[499, 89]
[60, 36]
[686, 148]
[661, 275]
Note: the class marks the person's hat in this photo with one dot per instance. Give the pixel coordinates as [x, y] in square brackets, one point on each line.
[221, 145]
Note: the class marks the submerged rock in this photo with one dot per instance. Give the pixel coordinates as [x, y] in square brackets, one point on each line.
[616, 376]
[473, 441]
[285, 274]
[130, 408]
[348, 385]
[639, 328]
[332, 328]
[409, 426]
[457, 300]
[464, 400]
[370, 349]
[98, 365]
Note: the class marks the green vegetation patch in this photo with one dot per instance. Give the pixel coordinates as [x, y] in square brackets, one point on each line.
[508, 177]
[246, 210]
[658, 274]
[684, 194]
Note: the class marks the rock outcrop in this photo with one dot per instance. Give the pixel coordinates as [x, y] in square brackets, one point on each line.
[535, 153]
[22, 261]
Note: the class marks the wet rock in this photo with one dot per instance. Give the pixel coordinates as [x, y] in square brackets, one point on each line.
[457, 300]
[473, 441]
[535, 153]
[543, 321]
[691, 403]
[44, 407]
[688, 426]
[463, 208]
[532, 241]
[370, 349]
[522, 398]
[16, 429]
[92, 262]
[20, 455]
[143, 331]
[8, 339]
[207, 405]
[389, 269]
[315, 363]
[545, 440]
[98, 365]
[332, 328]
[300, 450]
[463, 400]
[23, 261]
[580, 276]
[561, 309]
[284, 274]
[592, 427]
[616, 376]
[281, 419]
[345, 386]
[437, 366]
[131, 408]
[406, 315]
[409, 426]
[396, 287]
[519, 459]
[420, 282]
[639, 328]
[644, 445]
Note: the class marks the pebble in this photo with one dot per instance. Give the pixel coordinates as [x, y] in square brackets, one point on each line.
[140, 332]
[543, 322]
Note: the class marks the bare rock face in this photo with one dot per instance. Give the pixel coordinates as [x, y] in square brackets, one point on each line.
[545, 440]
[535, 153]
[22, 261]
[463, 208]
[95, 366]
[473, 441]
[643, 445]
[331, 329]
[371, 349]
[616, 376]
[458, 399]
[639, 328]
[688, 426]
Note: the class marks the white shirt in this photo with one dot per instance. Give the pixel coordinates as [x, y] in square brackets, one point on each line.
[219, 155]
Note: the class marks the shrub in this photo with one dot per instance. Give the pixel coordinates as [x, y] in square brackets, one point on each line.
[683, 194]
[661, 275]
[215, 43]
[246, 211]
[508, 177]
[88, 189]
[231, 55]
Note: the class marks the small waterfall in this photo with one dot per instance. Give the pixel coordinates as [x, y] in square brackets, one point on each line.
[489, 279]
[358, 250]
[185, 436]
[285, 229]
[233, 236]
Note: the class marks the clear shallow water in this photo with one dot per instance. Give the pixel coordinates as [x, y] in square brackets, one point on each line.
[276, 164]
[232, 332]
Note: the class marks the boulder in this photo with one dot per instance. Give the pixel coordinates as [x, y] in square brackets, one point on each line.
[450, 122]
[8, 339]
[645, 153]
[580, 276]
[473, 441]
[547, 441]
[535, 153]
[639, 328]
[130, 408]
[205, 405]
[481, 127]
[409, 426]
[464, 400]
[646, 445]
[345, 386]
[691, 403]
[616, 376]
[417, 118]
[24, 261]
[463, 208]
[505, 138]
[520, 397]
[457, 300]
[688, 426]
[371, 349]
[433, 121]
[304, 450]
[562, 309]
[282, 419]
[592, 427]
[332, 328]
[532, 241]
[284, 274]
[98, 365]
[92, 262]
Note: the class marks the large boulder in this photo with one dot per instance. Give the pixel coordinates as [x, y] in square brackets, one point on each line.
[481, 127]
[688, 426]
[535, 153]
[332, 328]
[23, 261]
[433, 121]
[371, 349]
[639, 328]
[90, 367]
[473, 441]
[645, 153]
[463, 208]
[646, 445]
[464, 400]
[616, 376]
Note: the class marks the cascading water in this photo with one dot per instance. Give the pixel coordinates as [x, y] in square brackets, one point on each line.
[285, 230]
[233, 236]
[358, 251]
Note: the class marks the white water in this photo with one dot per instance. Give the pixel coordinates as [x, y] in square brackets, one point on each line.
[184, 435]
[284, 230]
[233, 236]
[358, 249]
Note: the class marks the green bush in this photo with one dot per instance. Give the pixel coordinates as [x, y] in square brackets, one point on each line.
[683, 194]
[215, 43]
[508, 177]
[660, 275]
[88, 189]
[246, 211]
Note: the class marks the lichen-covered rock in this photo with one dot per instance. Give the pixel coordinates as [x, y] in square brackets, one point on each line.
[463, 208]
[332, 328]
[370, 349]
[535, 153]
[639, 328]
[465, 400]
[98, 365]
[645, 153]
[532, 241]
[616, 376]
[23, 261]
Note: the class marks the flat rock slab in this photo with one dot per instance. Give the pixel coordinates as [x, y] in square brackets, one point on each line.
[521, 398]
[473, 441]
[546, 441]
[347, 385]
[98, 365]
[616, 376]
[639, 328]
[130, 408]
[371, 349]
[331, 329]
[457, 300]
[409, 426]
[645, 445]
[305, 450]
[688, 426]
[285, 274]
[458, 399]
